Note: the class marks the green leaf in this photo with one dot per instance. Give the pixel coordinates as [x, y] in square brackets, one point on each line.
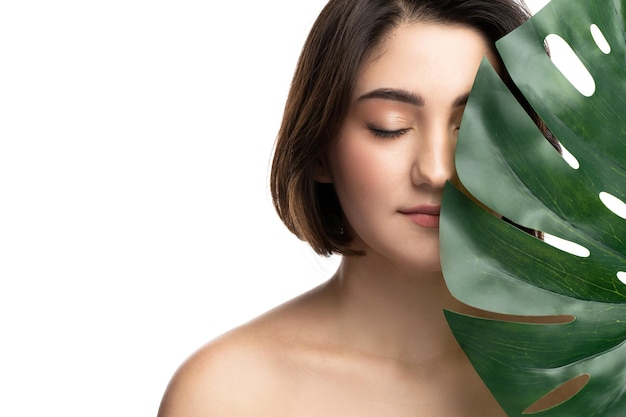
[505, 162]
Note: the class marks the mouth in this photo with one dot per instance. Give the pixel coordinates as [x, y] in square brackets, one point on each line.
[423, 215]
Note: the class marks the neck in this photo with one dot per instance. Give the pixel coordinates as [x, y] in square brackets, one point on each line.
[393, 312]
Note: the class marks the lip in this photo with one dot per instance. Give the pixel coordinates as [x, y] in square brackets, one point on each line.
[424, 215]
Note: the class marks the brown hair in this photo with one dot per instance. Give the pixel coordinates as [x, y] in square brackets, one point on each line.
[321, 89]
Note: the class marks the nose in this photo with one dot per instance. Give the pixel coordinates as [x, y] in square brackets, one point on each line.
[433, 159]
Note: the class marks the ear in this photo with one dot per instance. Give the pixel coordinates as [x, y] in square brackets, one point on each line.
[322, 173]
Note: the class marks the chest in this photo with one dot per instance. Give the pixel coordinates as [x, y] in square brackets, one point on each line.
[370, 391]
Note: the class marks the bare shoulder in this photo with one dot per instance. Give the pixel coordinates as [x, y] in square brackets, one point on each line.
[244, 372]
[221, 378]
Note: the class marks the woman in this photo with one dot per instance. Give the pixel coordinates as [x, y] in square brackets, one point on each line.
[365, 148]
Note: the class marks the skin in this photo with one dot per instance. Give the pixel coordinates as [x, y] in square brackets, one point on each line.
[372, 341]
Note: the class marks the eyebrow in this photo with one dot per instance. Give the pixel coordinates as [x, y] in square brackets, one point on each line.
[405, 96]
[394, 94]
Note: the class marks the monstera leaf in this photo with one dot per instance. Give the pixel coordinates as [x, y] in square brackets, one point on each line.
[505, 162]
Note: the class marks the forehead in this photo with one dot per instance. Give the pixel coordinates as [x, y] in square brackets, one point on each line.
[424, 56]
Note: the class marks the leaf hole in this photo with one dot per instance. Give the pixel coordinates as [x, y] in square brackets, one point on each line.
[600, 40]
[614, 204]
[572, 68]
[559, 395]
[569, 158]
[566, 245]
[512, 318]
[516, 318]
[622, 277]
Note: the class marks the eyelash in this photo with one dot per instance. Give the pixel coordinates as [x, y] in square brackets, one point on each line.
[387, 134]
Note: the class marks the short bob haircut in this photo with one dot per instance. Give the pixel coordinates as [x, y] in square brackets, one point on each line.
[321, 90]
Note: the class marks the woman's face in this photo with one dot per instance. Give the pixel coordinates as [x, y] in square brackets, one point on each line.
[396, 148]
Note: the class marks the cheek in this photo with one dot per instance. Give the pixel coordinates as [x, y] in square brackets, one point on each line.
[364, 170]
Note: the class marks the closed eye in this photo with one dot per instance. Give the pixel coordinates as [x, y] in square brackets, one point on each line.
[386, 134]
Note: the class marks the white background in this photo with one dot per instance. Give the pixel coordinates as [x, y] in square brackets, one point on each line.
[135, 220]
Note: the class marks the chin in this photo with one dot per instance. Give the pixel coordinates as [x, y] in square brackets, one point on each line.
[422, 264]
